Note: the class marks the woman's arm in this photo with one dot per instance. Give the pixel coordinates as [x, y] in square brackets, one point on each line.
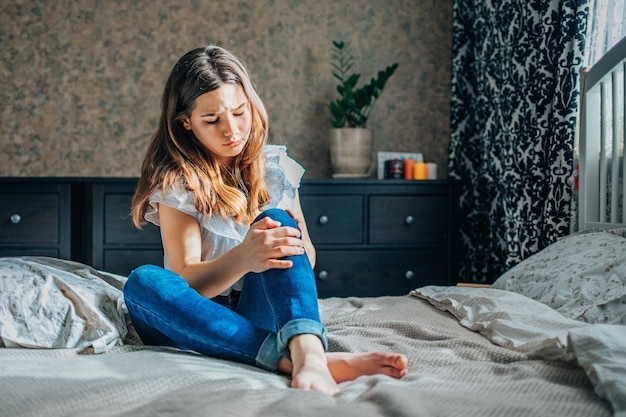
[265, 243]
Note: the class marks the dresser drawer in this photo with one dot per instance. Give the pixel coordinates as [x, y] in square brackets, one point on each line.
[382, 272]
[35, 218]
[118, 227]
[123, 261]
[336, 219]
[398, 220]
[117, 245]
[29, 218]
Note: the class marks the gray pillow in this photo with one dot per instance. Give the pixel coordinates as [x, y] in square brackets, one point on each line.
[582, 276]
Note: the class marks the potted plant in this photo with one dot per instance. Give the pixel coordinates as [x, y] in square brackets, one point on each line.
[350, 139]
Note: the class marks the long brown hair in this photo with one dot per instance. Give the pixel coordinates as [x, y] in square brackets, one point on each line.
[176, 158]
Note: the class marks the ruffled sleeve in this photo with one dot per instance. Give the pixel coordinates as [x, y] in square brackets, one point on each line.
[283, 175]
[218, 234]
[178, 198]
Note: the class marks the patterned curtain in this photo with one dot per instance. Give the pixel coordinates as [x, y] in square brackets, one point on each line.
[515, 76]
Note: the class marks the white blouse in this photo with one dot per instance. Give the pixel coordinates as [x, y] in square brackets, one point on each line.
[219, 234]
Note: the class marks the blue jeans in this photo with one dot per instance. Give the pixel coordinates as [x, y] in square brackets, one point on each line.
[274, 306]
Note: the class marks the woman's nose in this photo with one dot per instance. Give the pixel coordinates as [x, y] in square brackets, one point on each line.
[230, 126]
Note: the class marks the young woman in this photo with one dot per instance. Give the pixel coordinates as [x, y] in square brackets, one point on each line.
[238, 282]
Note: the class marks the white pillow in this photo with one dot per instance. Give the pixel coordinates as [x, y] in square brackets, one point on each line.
[52, 303]
[506, 318]
[582, 276]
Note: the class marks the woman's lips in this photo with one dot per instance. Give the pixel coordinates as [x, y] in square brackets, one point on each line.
[233, 144]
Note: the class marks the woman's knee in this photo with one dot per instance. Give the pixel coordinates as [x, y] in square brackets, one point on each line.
[146, 280]
[141, 276]
[279, 215]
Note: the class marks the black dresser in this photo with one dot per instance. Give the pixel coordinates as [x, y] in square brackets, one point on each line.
[373, 237]
[382, 237]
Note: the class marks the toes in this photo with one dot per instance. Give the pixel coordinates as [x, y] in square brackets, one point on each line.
[396, 373]
[402, 361]
[396, 360]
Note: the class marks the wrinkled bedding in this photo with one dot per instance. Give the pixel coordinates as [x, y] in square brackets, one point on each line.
[472, 352]
[53, 303]
[601, 351]
[512, 320]
[452, 370]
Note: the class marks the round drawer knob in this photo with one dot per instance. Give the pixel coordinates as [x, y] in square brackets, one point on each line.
[323, 219]
[322, 275]
[409, 274]
[16, 218]
[409, 220]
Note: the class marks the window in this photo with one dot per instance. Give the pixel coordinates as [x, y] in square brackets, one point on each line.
[606, 26]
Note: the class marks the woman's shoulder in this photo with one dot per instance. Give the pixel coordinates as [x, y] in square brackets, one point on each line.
[282, 176]
[176, 196]
[275, 150]
[278, 161]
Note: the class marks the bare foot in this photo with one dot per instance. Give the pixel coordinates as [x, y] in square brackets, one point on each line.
[345, 366]
[310, 369]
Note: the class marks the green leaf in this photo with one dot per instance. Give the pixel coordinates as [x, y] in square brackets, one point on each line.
[355, 105]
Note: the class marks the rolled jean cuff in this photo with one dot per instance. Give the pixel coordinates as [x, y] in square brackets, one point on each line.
[268, 356]
[296, 327]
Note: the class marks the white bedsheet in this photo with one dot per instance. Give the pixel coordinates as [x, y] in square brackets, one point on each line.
[601, 350]
[519, 323]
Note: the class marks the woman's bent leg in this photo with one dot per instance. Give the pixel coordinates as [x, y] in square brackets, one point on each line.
[284, 299]
[165, 310]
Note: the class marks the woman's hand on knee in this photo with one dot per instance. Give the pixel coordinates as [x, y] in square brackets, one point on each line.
[267, 242]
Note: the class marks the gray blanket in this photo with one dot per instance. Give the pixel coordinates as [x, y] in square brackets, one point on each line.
[453, 371]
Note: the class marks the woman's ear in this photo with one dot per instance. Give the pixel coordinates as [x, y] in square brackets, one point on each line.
[186, 122]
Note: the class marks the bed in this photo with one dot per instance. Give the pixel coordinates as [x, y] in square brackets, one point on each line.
[548, 338]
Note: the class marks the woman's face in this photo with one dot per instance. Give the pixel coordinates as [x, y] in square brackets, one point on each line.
[221, 120]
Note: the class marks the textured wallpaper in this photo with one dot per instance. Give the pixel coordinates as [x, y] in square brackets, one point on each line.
[81, 80]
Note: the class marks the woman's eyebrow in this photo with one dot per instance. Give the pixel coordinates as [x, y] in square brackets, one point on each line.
[235, 109]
